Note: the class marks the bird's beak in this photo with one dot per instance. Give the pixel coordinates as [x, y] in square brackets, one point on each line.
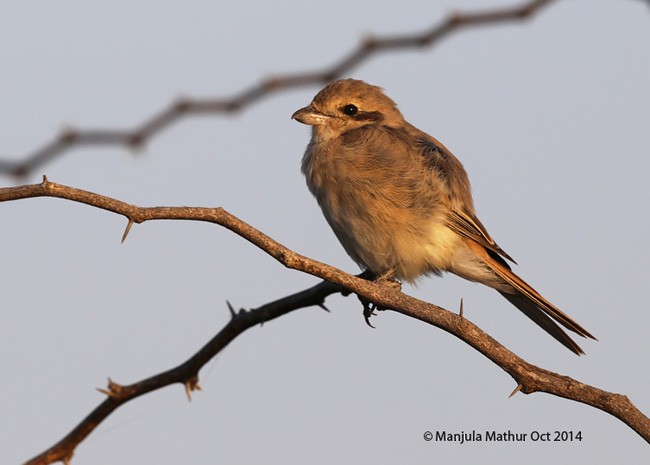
[311, 116]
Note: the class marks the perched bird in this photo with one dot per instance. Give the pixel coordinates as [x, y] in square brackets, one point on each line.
[400, 203]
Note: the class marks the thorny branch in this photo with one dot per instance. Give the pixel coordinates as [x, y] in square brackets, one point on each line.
[529, 378]
[138, 136]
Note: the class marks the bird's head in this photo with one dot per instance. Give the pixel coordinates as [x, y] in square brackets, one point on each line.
[348, 104]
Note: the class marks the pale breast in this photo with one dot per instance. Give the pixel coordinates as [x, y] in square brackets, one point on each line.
[384, 210]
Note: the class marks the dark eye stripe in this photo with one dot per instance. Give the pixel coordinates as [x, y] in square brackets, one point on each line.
[369, 116]
[356, 114]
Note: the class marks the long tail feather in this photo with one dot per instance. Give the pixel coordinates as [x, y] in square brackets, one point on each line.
[525, 294]
[531, 302]
[533, 312]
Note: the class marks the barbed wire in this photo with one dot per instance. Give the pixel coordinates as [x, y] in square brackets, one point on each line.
[371, 45]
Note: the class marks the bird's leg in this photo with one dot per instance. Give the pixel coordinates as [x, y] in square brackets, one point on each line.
[386, 278]
[367, 275]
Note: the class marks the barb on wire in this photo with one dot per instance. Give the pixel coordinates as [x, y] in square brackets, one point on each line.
[136, 137]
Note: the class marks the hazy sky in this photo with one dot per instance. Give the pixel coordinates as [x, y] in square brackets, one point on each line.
[551, 119]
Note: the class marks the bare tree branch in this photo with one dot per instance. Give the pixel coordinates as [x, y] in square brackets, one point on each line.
[138, 136]
[187, 372]
[529, 378]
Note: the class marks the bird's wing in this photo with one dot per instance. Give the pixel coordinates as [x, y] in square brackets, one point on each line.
[468, 225]
[449, 170]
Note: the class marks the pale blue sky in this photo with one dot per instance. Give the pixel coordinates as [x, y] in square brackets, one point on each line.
[551, 119]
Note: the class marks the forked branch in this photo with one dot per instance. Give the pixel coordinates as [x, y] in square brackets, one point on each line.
[529, 378]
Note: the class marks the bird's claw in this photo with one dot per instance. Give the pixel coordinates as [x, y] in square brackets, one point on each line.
[387, 278]
[368, 311]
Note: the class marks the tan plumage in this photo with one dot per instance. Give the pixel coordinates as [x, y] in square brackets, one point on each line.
[400, 203]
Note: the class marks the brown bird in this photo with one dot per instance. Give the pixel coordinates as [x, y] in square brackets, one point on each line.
[400, 203]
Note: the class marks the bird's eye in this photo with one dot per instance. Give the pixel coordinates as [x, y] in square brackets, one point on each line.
[350, 109]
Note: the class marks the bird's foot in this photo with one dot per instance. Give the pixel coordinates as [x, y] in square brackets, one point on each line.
[368, 310]
[388, 278]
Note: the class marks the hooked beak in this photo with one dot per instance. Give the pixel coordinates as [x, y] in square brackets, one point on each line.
[310, 116]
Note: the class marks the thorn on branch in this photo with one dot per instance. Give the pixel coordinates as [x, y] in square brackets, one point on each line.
[517, 389]
[322, 305]
[460, 313]
[113, 390]
[191, 384]
[233, 314]
[128, 228]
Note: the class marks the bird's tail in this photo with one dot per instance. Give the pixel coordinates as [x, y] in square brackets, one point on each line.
[531, 302]
[544, 316]
[540, 310]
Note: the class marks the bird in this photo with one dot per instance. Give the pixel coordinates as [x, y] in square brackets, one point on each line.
[400, 203]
